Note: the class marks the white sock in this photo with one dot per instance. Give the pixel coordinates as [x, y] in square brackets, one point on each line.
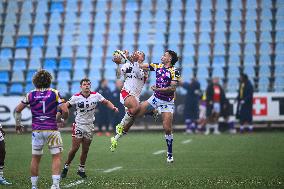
[1, 171]
[56, 180]
[81, 168]
[66, 166]
[34, 180]
[127, 119]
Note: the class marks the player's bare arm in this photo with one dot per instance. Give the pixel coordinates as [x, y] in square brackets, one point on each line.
[18, 117]
[171, 88]
[110, 105]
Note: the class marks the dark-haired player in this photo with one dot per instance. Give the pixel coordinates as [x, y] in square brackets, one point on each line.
[44, 103]
[85, 103]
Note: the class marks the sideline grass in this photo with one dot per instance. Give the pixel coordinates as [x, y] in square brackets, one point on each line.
[225, 161]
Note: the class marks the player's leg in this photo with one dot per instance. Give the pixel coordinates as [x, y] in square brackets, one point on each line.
[37, 151]
[86, 142]
[167, 118]
[71, 154]
[3, 181]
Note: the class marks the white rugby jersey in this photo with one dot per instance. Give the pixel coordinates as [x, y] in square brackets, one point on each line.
[85, 107]
[134, 78]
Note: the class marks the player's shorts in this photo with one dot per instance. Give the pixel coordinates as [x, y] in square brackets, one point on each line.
[83, 131]
[216, 107]
[124, 94]
[161, 105]
[1, 136]
[51, 138]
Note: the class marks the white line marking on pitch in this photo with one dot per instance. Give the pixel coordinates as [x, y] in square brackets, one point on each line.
[159, 152]
[74, 183]
[112, 169]
[186, 141]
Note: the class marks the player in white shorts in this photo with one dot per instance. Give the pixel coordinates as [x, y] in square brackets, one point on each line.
[134, 80]
[83, 129]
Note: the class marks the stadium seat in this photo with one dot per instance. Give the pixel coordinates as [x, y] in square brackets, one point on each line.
[7, 41]
[81, 63]
[34, 64]
[56, 7]
[39, 29]
[79, 74]
[94, 74]
[279, 84]
[110, 73]
[265, 48]
[20, 65]
[3, 89]
[249, 59]
[4, 77]
[29, 86]
[264, 70]
[37, 41]
[219, 49]
[5, 53]
[5, 65]
[65, 64]
[21, 53]
[234, 49]
[204, 49]
[97, 52]
[279, 70]
[279, 59]
[24, 29]
[263, 84]
[22, 41]
[52, 40]
[67, 51]
[63, 75]
[63, 87]
[75, 87]
[17, 76]
[36, 52]
[250, 37]
[232, 84]
[30, 75]
[16, 89]
[50, 64]
[82, 51]
[220, 37]
[279, 48]
[233, 71]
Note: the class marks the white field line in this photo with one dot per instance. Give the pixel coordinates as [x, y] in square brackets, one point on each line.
[159, 152]
[73, 183]
[112, 169]
[186, 141]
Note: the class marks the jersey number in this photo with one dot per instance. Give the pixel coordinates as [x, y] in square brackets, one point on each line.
[43, 106]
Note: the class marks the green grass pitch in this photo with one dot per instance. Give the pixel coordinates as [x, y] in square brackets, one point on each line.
[225, 161]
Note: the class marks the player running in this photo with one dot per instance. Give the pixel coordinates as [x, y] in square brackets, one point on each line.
[167, 77]
[85, 103]
[44, 103]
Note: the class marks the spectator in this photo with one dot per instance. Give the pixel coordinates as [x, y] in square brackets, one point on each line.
[214, 99]
[245, 103]
[117, 117]
[191, 105]
[103, 114]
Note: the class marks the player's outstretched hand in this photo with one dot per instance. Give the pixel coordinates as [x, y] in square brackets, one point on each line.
[19, 129]
[115, 109]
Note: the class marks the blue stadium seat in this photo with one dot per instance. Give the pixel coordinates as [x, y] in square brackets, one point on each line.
[65, 64]
[187, 72]
[63, 87]
[221, 15]
[75, 87]
[235, 37]
[71, 6]
[67, 51]
[110, 73]
[3, 89]
[251, 11]
[218, 72]
[280, 36]
[5, 53]
[249, 59]
[205, 13]
[235, 26]
[236, 14]
[249, 69]
[234, 49]
[30, 75]
[218, 60]
[69, 27]
[40, 16]
[190, 14]
[233, 71]
[143, 38]
[56, 18]
[279, 84]
[51, 52]
[98, 38]
[94, 74]
[113, 38]
[24, 29]
[263, 84]
[264, 59]
[79, 74]
[279, 25]
[17, 76]
[56, 7]
[36, 52]
[265, 25]
[250, 48]
[63, 75]
[4, 77]
[203, 61]
[29, 86]
[250, 37]
[34, 64]
[204, 37]
[279, 48]
[52, 40]
[234, 59]
[204, 49]
[97, 52]
[83, 40]
[232, 84]
[188, 49]
[202, 72]
[205, 25]
[115, 27]
[22, 41]
[87, 6]
[220, 37]
[16, 89]
[128, 37]
[5, 65]
[54, 28]
[279, 59]
[265, 48]
[188, 60]
[8, 41]
[67, 40]
[279, 70]
[265, 36]
[264, 70]
[21, 53]
[81, 63]
[219, 49]
[50, 64]
[19, 65]
[82, 51]
[39, 29]
[37, 41]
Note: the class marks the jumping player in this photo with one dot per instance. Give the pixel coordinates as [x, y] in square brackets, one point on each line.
[85, 103]
[44, 103]
[134, 80]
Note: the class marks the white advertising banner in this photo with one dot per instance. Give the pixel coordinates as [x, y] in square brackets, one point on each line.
[7, 108]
